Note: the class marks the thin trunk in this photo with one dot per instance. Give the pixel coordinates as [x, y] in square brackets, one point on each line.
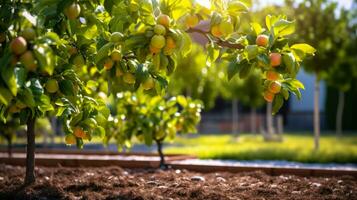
[253, 120]
[161, 154]
[269, 122]
[235, 117]
[9, 147]
[316, 114]
[30, 152]
[339, 115]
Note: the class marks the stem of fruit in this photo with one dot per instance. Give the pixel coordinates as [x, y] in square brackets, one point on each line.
[30, 152]
[218, 41]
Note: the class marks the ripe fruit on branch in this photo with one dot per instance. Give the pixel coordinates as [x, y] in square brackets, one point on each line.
[158, 41]
[78, 132]
[78, 61]
[18, 45]
[52, 86]
[226, 28]
[163, 20]
[108, 63]
[215, 31]
[274, 87]
[129, 78]
[72, 11]
[116, 55]
[149, 83]
[72, 50]
[170, 43]
[160, 29]
[262, 40]
[29, 33]
[268, 96]
[272, 75]
[275, 59]
[70, 139]
[116, 37]
[191, 20]
[154, 50]
[28, 60]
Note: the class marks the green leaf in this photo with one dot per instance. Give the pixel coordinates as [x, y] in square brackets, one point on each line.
[182, 101]
[5, 96]
[277, 103]
[252, 51]
[283, 27]
[257, 28]
[245, 70]
[235, 7]
[21, 75]
[36, 87]
[44, 104]
[66, 87]
[233, 69]
[103, 52]
[307, 49]
[26, 97]
[297, 84]
[99, 132]
[8, 75]
[148, 138]
[289, 61]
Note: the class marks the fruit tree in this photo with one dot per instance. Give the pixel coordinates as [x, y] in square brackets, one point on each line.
[134, 44]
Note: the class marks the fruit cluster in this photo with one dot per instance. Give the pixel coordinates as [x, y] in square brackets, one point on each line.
[222, 29]
[161, 40]
[22, 51]
[272, 84]
[78, 132]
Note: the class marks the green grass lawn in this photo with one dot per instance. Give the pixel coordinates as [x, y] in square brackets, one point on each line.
[295, 147]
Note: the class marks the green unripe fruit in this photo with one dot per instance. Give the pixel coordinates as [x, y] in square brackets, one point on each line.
[160, 29]
[72, 11]
[52, 86]
[28, 60]
[129, 78]
[158, 41]
[29, 34]
[148, 84]
[116, 37]
[116, 55]
[78, 61]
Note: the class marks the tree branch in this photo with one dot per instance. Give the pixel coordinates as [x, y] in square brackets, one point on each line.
[218, 41]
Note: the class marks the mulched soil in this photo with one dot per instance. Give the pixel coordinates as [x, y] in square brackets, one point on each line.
[117, 183]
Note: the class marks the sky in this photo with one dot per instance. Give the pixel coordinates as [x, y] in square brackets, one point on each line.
[343, 3]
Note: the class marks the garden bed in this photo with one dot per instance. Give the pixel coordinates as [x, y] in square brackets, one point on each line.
[118, 183]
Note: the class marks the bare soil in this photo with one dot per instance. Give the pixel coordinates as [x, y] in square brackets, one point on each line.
[117, 183]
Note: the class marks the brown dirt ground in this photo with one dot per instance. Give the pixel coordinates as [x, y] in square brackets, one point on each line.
[117, 183]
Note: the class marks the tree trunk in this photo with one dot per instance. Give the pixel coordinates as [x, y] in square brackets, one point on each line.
[339, 114]
[161, 154]
[253, 120]
[269, 116]
[30, 152]
[316, 114]
[9, 147]
[235, 117]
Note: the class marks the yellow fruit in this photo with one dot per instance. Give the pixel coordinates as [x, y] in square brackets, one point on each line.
[275, 59]
[268, 96]
[108, 64]
[158, 41]
[215, 31]
[129, 78]
[275, 87]
[272, 75]
[116, 55]
[160, 29]
[226, 28]
[52, 86]
[18, 45]
[262, 40]
[70, 139]
[163, 20]
[154, 50]
[116, 37]
[28, 60]
[78, 132]
[29, 33]
[191, 20]
[72, 11]
[149, 83]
